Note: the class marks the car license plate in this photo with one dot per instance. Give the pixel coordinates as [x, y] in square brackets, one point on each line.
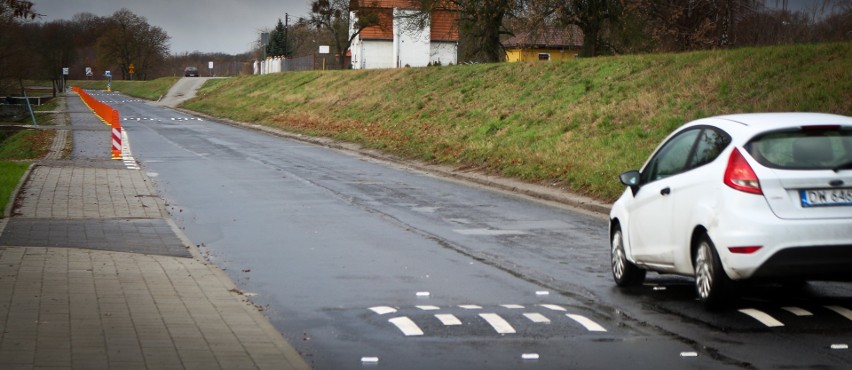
[826, 197]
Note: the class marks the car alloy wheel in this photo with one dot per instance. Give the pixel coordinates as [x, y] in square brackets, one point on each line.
[710, 280]
[624, 272]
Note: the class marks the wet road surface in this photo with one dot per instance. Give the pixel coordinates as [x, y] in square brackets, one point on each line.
[357, 260]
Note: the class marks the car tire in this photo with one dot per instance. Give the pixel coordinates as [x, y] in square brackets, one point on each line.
[711, 282]
[624, 272]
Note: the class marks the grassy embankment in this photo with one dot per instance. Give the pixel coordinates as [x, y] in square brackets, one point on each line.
[574, 125]
[150, 90]
[19, 147]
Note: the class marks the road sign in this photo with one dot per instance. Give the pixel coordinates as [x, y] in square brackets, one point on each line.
[323, 49]
[89, 72]
[210, 65]
[107, 74]
[131, 69]
[65, 71]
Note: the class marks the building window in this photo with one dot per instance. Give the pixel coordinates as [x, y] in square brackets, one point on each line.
[543, 56]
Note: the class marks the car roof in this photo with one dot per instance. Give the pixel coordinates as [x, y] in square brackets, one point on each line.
[746, 125]
[766, 121]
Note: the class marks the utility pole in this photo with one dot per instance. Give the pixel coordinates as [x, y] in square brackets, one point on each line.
[286, 40]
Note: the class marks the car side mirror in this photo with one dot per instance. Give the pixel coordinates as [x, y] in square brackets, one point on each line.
[631, 179]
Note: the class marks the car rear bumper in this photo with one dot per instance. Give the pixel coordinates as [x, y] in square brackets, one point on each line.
[794, 249]
[809, 263]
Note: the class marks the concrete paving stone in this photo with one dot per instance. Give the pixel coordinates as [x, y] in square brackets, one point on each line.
[15, 366]
[127, 365]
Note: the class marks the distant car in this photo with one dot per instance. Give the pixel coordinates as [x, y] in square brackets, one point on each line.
[740, 197]
[190, 72]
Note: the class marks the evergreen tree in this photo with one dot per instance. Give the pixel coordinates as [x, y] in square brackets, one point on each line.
[279, 46]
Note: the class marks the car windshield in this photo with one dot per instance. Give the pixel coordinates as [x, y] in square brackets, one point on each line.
[814, 148]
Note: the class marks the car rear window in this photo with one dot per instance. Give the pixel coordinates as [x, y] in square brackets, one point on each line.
[807, 148]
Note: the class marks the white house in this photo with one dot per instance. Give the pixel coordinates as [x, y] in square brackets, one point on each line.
[395, 42]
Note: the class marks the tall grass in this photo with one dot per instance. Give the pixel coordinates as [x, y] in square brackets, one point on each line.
[573, 124]
[10, 175]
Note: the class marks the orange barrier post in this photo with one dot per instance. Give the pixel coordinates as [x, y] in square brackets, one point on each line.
[116, 135]
[108, 115]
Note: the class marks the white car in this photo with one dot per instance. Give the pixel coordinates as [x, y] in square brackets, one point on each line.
[740, 197]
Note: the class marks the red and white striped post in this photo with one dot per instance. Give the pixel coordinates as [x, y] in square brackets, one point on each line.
[116, 135]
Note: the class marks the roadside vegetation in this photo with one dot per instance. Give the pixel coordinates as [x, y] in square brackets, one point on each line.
[573, 125]
[19, 147]
[150, 90]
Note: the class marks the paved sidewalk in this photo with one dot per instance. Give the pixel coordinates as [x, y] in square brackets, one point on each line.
[93, 275]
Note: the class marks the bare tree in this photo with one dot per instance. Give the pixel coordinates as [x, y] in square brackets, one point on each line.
[131, 40]
[18, 8]
[333, 16]
[482, 23]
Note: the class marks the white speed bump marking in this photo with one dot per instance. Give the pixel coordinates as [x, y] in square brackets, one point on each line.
[537, 318]
[406, 326]
[512, 306]
[553, 307]
[448, 319]
[500, 325]
[797, 311]
[381, 310]
[470, 307]
[763, 317]
[429, 308]
[588, 324]
[842, 311]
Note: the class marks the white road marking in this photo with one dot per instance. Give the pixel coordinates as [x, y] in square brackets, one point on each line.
[470, 307]
[553, 307]
[381, 310]
[542, 292]
[448, 319]
[530, 356]
[498, 323]
[537, 318]
[429, 308]
[512, 306]
[763, 317]
[840, 346]
[797, 311]
[371, 360]
[489, 232]
[845, 312]
[422, 294]
[689, 354]
[406, 326]
[588, 324]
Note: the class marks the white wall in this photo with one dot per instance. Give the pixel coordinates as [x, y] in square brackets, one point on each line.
[378, 54]
[444, 51]
[411, 46]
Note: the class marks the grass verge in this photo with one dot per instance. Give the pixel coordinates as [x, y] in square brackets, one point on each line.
[10, 175]
[574, 125]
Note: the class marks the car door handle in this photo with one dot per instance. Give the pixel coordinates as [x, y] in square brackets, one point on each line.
[666, 191]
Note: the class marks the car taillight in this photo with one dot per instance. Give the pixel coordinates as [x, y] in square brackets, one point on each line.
[745, 250]
[740, 176]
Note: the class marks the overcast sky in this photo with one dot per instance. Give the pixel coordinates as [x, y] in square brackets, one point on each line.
[228, 26]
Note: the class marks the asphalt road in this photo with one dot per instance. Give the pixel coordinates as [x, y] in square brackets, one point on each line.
[356, 260]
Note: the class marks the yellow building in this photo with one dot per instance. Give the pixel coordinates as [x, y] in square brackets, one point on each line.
[549, 45]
